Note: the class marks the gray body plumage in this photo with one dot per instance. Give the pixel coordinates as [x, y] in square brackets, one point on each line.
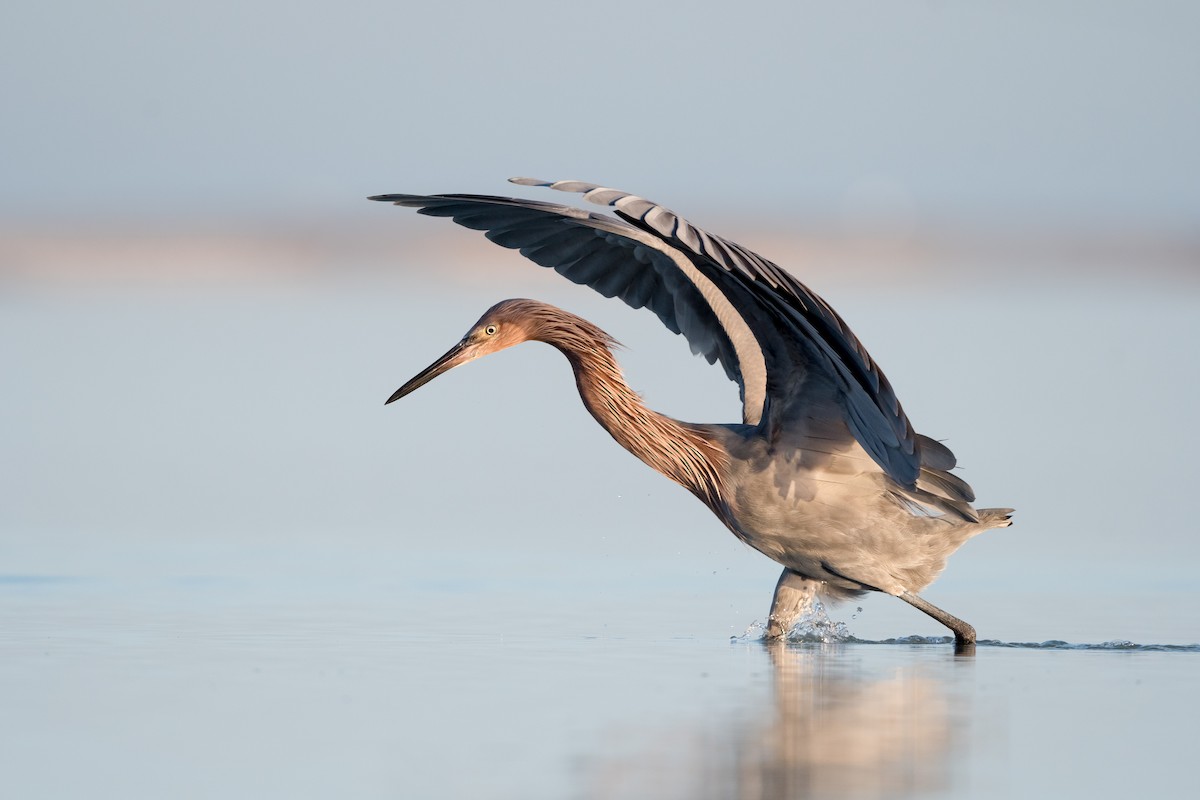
[824, 474]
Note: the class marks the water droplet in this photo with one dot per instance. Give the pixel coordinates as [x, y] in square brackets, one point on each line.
[814, 625]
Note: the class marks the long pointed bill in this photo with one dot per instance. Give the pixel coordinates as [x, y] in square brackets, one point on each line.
[459, 354]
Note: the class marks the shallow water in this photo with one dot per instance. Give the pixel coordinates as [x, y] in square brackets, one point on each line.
[256, 688]
[229, 571]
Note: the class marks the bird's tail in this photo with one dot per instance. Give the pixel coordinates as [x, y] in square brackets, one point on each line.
[995, 517]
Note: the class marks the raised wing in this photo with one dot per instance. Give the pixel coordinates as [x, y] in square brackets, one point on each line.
[617, 259]
[767, 329]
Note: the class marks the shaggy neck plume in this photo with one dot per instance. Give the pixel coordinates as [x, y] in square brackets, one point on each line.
[676, 449]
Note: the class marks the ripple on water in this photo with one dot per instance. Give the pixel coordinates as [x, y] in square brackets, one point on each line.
[816, 627]
[1115, 645]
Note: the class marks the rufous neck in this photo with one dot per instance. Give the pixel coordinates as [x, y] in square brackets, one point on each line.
[676, 449]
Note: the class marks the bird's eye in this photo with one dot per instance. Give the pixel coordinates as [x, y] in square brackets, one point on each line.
[490, 330]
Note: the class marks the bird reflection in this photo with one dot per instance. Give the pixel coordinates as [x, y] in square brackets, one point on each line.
[829, 729]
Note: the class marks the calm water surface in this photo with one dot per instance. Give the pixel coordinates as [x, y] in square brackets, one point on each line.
[226, 570]
[210, 689]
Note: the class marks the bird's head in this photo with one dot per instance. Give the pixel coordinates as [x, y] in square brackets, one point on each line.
[505, 324]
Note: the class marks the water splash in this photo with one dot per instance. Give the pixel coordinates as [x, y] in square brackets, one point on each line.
[814, 626]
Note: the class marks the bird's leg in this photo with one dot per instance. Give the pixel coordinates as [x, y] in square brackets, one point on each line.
[793, 594]
[964, 634]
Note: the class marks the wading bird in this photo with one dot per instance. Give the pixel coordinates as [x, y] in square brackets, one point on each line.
[824, 474]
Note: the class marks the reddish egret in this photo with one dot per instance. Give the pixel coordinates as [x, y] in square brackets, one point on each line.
[824, 474]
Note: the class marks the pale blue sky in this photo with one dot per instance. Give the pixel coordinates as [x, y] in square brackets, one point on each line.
[1030, 113]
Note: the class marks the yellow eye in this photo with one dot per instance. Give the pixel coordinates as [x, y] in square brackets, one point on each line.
[490, 330]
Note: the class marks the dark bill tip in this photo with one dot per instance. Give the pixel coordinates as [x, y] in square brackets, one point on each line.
[452, 358]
